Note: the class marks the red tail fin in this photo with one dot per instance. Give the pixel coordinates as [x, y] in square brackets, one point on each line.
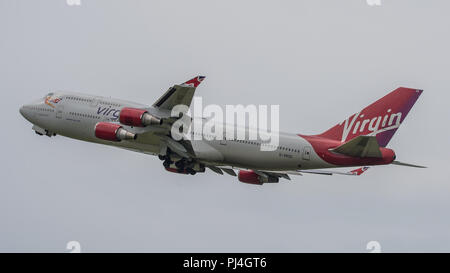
[381, 119]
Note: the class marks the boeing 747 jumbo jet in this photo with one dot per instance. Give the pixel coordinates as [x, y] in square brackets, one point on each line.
[359, 140]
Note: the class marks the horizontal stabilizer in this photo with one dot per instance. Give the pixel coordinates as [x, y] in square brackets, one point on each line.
[361, 146]
[407, 164]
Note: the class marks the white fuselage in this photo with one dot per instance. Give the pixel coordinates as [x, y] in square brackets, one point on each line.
[76, 115]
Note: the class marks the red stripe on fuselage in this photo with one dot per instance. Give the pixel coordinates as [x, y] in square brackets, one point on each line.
[322, 148]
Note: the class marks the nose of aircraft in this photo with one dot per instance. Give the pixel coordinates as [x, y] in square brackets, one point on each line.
[28, 110]
[22, 111]
[25, 112]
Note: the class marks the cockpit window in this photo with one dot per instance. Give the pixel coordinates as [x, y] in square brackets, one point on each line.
[50, 94]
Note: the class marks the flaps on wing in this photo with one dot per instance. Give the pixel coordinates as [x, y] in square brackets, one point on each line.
[264, 176]
[317, 172]
[221, 170]
[215, 169]
[229, 171]
[267, 174]
[179, 94]
[361, 146]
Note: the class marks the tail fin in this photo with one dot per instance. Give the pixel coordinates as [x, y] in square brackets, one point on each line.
[381, 119]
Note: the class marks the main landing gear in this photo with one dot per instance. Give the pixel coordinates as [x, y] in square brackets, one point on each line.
[181, 166]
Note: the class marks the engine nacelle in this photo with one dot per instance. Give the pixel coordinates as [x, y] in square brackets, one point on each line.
[175, 170]
[250, 177]
[112, 132]
[137, 117]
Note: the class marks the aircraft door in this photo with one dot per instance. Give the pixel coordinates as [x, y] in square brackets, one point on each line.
[94, 102]
[223, 140]
[306, 153]
[59, 111]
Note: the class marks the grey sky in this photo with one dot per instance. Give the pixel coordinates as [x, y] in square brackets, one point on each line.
[319, 60]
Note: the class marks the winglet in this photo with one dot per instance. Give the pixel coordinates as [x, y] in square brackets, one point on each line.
[195, 81]
[358, 171]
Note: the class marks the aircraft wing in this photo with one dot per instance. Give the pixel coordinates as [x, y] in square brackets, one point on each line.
[358, 171]
[179, 94]
[267, 174]
[159, 136]
[274, 176]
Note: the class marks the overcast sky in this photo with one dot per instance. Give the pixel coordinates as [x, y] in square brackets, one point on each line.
[319, 60]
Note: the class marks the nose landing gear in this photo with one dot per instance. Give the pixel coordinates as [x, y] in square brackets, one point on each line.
[40, 131]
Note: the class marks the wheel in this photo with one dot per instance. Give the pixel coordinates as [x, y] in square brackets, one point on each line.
[191, 171]
[166, 164]
[179, 164]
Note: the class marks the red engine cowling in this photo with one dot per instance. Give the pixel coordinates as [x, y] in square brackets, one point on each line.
[137, 117]
[112, 132]
[249, 177]
[174, 170]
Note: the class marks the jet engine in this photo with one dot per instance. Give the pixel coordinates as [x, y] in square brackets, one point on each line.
[112, 132]
[175, 170]
[250, 177]
[137, 117]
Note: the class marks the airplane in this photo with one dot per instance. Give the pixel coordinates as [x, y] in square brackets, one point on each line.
[359, 140]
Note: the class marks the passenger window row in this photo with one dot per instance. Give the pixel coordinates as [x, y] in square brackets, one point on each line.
[79, 99]
[256, 144]
[110, 103]
[84, 115]
[42, 109]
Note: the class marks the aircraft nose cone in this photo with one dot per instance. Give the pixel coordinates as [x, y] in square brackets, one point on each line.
[25, 112]
[22, 111]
